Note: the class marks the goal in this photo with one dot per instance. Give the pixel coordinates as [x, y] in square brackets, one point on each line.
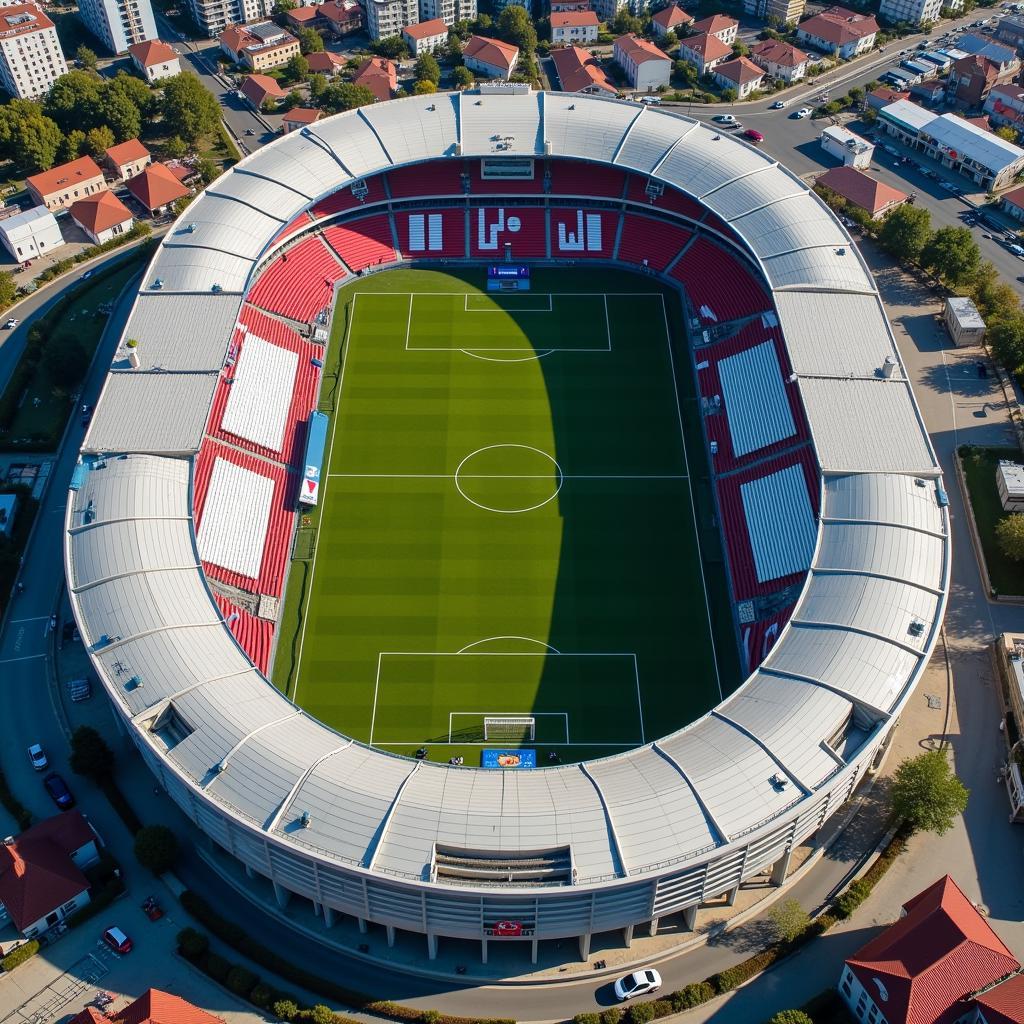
[509, 728]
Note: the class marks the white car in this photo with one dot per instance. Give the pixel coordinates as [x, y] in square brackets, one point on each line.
[639, 983]
[804, 112]
[724, 119]
[37, 757]
[778, 105]
[1017, 251]
[11, 324]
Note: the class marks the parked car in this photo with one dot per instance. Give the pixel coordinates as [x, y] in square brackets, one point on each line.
[1017, 250]
[639, 983]
[949, 186]
[803, 112]
[59, 792]
[117, 940]
[86, 415]
[11, 324]
[37, 757]
[754, 135]
[779, 105]
[724, 119]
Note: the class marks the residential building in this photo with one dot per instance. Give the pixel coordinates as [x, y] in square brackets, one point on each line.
[914, 12]
[41, 879]
[259, 47]
[780, 59]
[490, 57]
[300, 117]
[578, 71]
[883, 96]
[646, 67]
[152, 1007]
[1005, 105]
[324, 62]
[128, 159]
[922, 967]
[118, 24]
[1012, 203]
[861, 190]
[839, 31]
[425, 36]
[31, 59]
[971, 79]
[779, 12]
[257, 89]
[704, 52]
[557, 6]
[341, 17]
[449, 11]
[931, 94]
[102, 217]
[983, 46]
[213, 16]
[1011, 32]
[851, 150]
[59, 187]
[388, 17]
[572, 27]
[719, 26]
[740, 74]
[670, 19]
[304, 17]
[30, 234]
[989, 161]
[1001, 1004]
[607, 9]
[380, 76]
[155, 60]
[157, 188]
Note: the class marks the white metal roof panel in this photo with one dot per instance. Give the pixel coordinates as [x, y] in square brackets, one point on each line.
[698, 166]
[417, 126]
[302, 164]
[133, 487]
[251, 187]
[354, 144]
[887, 550]
[140, 545]
[216, 222]
[190, 268]
[884, 498]
[592, 130]
[793, 224]
[520, 124]
[818, 268]
[765, 187]
[650, 137]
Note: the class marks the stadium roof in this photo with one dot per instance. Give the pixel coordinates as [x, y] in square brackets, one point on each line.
[859, 639]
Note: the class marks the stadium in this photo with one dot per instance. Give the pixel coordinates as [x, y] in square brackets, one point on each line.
[501, 424]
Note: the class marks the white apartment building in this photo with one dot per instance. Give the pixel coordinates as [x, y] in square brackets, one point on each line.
[213, 16]
[914, 11]
[30, 234]
[449, 11]
[783, 12]
[388, 17]
[30, 55]
[118, 24]
[645, 65]
[574, 28]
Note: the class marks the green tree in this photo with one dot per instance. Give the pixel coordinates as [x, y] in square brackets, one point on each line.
[286, 1009]
[99, 140]
[340, 96]
[926, 794]
[1005, 336]
[789, 920]
[317, 84]
[208, 171]
[906, 231]
[284, 6]
[462, 77]
[156, 848]
[90, 755]
[175, 147]
[120, 115]
[790, 1017]
[668, 40]
[952, 255]
[73, 100]
[310, 41]
[515, 26]
[427, 69]
[321, 1014]
[189, 110]
[292, 100]
[86, 57]
[993, 296]
[297, 69]
[8, 289]
[624, 22]
[424, 88]
[392, 47]
[483, 23]
[71, 146]
[133, 89]
[1007, 133]
[729, 95]
[1010, 536]
[28, 137]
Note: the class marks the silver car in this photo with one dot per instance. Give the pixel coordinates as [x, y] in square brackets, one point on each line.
[37, 757]
[639, 983]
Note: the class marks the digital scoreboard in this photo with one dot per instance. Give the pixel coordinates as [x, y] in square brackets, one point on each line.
[508, 277]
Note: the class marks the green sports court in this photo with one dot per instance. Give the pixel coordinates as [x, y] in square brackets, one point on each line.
[506, 525]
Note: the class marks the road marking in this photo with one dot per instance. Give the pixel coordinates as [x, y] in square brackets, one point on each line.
[33, 618]
[25, 657]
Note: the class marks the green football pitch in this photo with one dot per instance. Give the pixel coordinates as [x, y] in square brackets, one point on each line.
[506, 526]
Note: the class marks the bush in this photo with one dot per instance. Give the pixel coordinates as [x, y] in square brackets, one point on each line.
[641, 1013]
[430, 1017]
[791, 1017]
[261, 995]
[217, 967]
[156, 848]
[611, 1016]
[24, 952]
[192, 944]
[850, 900]
[90, 754]
[692, 995]
[321, 1014]
[241, 980]
[733, 977]
[286, 1009]
[587, 1018]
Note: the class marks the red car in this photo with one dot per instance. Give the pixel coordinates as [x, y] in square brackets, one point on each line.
[117, 940]
[754, 135]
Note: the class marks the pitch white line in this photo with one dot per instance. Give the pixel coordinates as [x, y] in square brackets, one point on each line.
[408, 323]
[376, 687]
[607, 321]
[503, 476]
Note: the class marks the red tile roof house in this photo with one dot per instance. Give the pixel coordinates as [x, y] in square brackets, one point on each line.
[647, 68]
[490, 57]
[155, 60]
[60, 186]
[1005, 105]
[578, 71]
[342, 17]
[157, 188]
[380, 76]
[780, 59]
[299, 117]
[670, 19]
[919, 970]
[971, 79]
[326, 63]
[304, 17]
[883, 96]
[425, 36]
[41, 880]
[718, 25]
[740, 74]
[839, 31]
[574, 27]
[257, 89]
[1001, 1004]
[703, 52]
[127, 159]
[152, 1007]
[1013, 203]
[102, 217]
[862, 190]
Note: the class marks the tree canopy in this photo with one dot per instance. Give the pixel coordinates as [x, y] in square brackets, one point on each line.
[462, 77]
[926, 793]
[1010, 536]
[424, 88]
[906, 231]
[1005, 336]
[90, 755]
[952, 255]
[86, 57]
[427, 69]
[156, 848]
[516, 26]
[392, 47]
[310, 41]
[189, 109]
[340, 96]
[28, 137]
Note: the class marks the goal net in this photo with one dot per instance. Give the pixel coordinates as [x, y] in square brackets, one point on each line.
[509, 728]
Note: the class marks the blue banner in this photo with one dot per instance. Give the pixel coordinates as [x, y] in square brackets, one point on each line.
[509, 759]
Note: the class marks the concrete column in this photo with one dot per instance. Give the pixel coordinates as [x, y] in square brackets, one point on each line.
[431, 946]
[317, 908]
[627, 936]
[363, 927]
[390, 929]
[781, 868]
[654, 927]
[730, 896]
[534, 943]
[249, 873]
[690, 917]
[483, 950]
[329, 918]
[585, 945]
[281, 894]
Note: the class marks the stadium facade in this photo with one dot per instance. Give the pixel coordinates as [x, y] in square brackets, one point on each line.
[565, 851]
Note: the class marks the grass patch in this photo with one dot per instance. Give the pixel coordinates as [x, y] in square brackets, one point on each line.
[979, 466]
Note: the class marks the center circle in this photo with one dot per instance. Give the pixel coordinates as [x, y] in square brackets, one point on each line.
[509, 478]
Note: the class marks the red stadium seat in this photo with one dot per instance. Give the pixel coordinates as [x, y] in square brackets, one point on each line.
[431, 179]
[718, 284]
[254, 635]
[578, 233]
[522, 227]
[670, 198]
[359, 193]
[432, 234]
[300, 282]
[657, 242]
[574, 178]
[363, 243]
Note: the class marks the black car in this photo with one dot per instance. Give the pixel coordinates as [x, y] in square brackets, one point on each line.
[86, 415]
[982, 369]
[59, 792]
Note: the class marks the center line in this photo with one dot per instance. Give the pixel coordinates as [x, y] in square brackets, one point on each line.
[503, 476]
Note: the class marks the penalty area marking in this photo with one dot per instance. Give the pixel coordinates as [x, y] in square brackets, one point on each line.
[494, 308]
